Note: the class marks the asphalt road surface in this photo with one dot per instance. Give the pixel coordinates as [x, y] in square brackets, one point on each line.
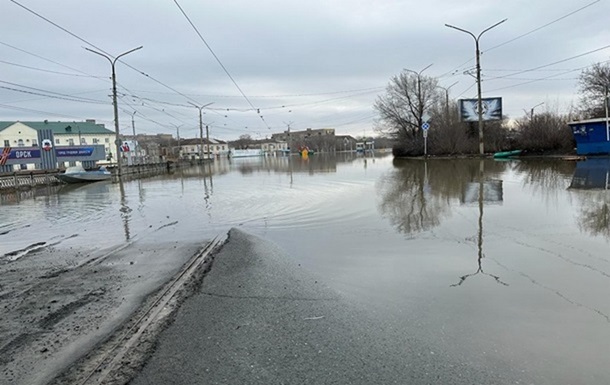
[260, 318]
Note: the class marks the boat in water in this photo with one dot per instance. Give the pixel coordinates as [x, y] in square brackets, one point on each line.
[507, 154]
[77, 174]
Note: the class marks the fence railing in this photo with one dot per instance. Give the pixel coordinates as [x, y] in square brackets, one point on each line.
[25, 179]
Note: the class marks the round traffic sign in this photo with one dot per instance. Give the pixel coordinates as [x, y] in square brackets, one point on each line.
[425, 126]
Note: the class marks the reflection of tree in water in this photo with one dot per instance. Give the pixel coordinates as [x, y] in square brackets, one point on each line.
[595, 213]
[546, 177]
[418, 194]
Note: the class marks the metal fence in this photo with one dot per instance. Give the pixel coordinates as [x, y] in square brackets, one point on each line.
[18, 180]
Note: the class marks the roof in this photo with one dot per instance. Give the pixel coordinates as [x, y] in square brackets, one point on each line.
[87, 127]
[196, 141]
[596, 120]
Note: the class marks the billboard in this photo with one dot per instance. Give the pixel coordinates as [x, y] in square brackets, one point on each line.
[469, 112]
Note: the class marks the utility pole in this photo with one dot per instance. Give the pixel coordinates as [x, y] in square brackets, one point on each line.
[606, 106]
[532, 111]
[117, 140]
[201, 128]
[478, 57]
[178, 135]
[133, 128]
[288, 124]
[447, 99]
[420, 103]
[207, 138]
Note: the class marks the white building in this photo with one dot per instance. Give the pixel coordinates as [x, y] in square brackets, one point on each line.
[191, 148]
[25, 134]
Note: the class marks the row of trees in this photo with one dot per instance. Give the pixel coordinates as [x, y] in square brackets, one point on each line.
[410, 95]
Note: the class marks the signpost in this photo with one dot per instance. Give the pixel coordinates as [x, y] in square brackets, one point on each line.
[425, 127]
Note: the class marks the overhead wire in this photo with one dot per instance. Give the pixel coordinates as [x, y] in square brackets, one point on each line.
[456, 69]
[41, 69]
[52, 61]
[100, 49]
[39, 91]
[220, 62]
[556, 62]
[543, 26]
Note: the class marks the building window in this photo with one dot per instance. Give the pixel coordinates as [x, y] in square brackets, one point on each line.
[70, 142]
[96, 140]
[35, 142]
[217, 148]
[107, 140]
[56, 141]
[7, 143]
[20, 143]
[223, 148]
[83, 141]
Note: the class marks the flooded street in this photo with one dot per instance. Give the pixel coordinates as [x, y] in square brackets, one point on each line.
[500, 264]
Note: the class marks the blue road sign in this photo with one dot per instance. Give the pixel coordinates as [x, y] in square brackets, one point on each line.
[425, 126]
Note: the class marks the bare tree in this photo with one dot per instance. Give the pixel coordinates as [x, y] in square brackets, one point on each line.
[407, 97]
[545, 132]
[594, 83]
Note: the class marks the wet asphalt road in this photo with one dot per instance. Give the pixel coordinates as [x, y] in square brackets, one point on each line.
[260, 318]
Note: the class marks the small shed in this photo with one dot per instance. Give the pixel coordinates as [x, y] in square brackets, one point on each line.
[592, 136]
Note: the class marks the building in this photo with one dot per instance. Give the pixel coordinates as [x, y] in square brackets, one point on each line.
[319, 140]
[266, 146]
[345, 143]
[592, 136]
[274, 147]
[15, 134]
[192, 149]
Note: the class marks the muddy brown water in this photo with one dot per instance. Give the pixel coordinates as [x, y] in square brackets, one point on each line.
[497, 261]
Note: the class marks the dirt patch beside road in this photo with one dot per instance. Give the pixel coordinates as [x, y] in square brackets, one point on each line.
[60, 302]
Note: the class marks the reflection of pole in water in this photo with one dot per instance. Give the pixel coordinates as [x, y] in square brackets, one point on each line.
[290, 168]
[480, 254]
[481, 187]
[125, 211]
[211, 179]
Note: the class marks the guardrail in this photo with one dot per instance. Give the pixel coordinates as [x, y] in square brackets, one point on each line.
[28, 179]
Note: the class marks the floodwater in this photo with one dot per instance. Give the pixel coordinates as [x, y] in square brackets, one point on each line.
[506, 264]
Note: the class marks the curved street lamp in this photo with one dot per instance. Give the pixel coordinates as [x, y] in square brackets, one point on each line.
[420, 106]
[117, 140]
[478, 54]
[447, 98]
[532, 110]
[207, 131]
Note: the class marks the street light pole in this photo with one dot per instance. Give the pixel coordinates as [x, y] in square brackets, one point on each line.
[117, 140]
[178, 135]
[201, 127]
[532, 111]
[133, 128]
[478, 57]
[447, 98]
[420, 103]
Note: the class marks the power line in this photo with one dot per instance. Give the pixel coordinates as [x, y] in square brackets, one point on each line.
[557, 62]
[98, 48]
[543, 26]
[219, 62]
[51, 96]
[50, 61]
[40, 112]
[42, 70]
[456, 69]
[85, 100]
[545, 78]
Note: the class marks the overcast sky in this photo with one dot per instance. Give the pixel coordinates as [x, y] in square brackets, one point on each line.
[315, 63]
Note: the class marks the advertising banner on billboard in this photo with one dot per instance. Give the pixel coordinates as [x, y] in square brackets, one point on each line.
[469, 112]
